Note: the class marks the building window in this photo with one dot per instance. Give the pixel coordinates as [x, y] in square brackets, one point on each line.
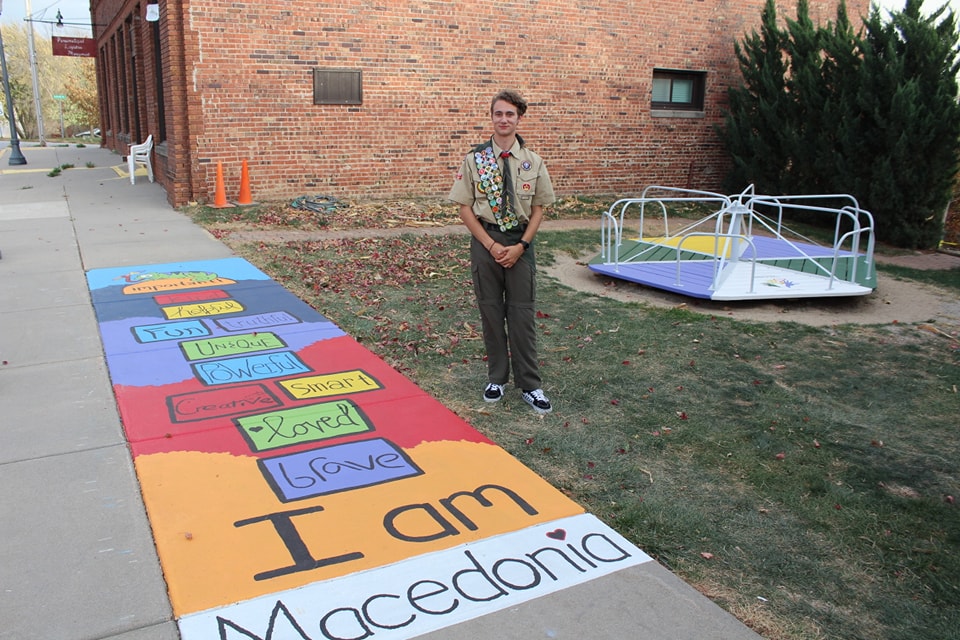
[337, 86]
[678, 90]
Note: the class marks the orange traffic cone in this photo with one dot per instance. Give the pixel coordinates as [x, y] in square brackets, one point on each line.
[220, 198]
[245, 198]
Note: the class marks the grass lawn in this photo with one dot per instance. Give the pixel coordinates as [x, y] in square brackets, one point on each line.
[803, 478]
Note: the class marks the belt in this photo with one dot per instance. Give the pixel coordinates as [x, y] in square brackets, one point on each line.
[489, 226]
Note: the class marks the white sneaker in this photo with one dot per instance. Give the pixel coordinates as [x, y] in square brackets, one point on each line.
[493, 392]
[539, 402]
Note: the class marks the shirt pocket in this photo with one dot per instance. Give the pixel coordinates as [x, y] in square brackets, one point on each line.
[527, 183]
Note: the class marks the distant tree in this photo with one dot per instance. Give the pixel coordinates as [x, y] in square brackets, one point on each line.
[18, 68]
[81, 92]
[56, 75]
[827, 110]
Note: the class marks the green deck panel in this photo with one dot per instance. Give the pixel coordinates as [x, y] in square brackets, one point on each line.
[844, 268]
[631, 249]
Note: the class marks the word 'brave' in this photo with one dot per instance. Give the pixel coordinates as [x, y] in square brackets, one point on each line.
[336, 468]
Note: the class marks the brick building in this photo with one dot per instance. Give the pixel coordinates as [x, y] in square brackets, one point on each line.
[381, 98]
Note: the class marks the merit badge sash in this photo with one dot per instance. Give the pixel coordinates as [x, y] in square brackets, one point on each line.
[491, 185]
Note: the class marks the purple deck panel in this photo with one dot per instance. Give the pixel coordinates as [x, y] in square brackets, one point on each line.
[696, 276]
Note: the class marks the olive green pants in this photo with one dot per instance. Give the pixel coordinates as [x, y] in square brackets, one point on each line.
[507, 298]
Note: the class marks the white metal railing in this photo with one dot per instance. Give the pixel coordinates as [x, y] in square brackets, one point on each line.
[735, 219]
[719, 257]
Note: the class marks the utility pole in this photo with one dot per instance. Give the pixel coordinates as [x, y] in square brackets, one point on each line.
[16, 156]
[37, 105]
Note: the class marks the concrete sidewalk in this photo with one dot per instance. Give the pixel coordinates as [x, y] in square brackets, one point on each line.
[77, 559]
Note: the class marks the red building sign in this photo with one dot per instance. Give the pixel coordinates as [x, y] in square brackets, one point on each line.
[75, 47]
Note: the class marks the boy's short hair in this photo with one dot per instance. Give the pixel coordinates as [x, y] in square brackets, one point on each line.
[513, 98]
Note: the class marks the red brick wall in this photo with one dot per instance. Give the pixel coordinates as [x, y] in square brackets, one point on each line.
[241, 87]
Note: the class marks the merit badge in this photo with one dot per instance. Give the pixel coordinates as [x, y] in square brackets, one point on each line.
[525, 165]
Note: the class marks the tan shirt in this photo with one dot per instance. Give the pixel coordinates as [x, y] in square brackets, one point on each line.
[531, 183]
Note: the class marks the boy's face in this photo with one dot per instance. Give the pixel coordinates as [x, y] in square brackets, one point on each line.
[505, 118]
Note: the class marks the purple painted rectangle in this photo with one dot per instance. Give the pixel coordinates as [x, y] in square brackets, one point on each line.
[336, 468]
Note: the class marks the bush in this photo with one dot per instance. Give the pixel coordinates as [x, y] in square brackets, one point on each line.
[873, 114]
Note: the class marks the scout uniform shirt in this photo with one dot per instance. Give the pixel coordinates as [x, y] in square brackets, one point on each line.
[531, 182]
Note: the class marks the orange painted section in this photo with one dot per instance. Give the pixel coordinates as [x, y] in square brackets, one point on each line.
[194, 499]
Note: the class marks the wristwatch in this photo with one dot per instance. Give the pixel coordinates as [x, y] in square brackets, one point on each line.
[525, 245]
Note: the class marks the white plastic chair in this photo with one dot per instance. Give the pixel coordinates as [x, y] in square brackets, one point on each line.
[140, 154]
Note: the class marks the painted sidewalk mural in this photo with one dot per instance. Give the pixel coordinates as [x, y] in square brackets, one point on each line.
[299, 487]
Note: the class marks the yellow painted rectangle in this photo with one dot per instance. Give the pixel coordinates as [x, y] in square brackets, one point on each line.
[216, 308]
[331, 384]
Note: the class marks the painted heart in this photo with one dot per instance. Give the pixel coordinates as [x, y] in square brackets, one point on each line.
[256, 429]
[557, 534]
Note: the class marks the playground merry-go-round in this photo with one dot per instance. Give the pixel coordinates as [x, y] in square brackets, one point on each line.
[743, 250]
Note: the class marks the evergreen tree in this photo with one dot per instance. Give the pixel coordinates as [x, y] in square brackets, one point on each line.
[825, 110]
[755, 117]
[909, 123]
[809, 105]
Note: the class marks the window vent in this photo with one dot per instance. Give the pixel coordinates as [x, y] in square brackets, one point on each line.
[337, 86]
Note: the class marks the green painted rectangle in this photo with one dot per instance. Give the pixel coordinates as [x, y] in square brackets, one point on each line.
[230, 345]
[288, 427]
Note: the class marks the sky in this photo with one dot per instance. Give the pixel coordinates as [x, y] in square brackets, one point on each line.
[79, 11]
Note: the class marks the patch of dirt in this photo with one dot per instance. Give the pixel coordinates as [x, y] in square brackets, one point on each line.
[894, 301]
